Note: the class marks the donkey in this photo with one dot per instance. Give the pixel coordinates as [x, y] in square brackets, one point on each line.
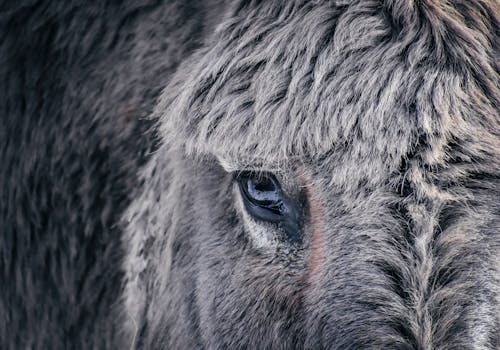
[251, 174]
[328, 178]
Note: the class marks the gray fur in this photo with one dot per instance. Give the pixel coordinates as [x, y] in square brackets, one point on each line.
[390, 109]
[121, 226]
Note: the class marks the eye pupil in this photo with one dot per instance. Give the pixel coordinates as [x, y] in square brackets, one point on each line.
[263, 185]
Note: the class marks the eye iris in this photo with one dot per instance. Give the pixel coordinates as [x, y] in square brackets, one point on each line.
[264, 191]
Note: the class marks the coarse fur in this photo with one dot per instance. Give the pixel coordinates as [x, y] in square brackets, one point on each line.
[387, 113]
[381, 116]
[78, 80]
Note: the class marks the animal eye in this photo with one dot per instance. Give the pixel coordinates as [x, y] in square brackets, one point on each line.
[265, 201]
[263, 196]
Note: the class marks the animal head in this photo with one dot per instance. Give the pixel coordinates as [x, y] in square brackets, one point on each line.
[328, 177]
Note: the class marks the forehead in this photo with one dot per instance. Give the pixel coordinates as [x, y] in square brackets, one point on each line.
[302, 82]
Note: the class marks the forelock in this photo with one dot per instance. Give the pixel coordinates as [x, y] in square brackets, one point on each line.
[302, 79]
